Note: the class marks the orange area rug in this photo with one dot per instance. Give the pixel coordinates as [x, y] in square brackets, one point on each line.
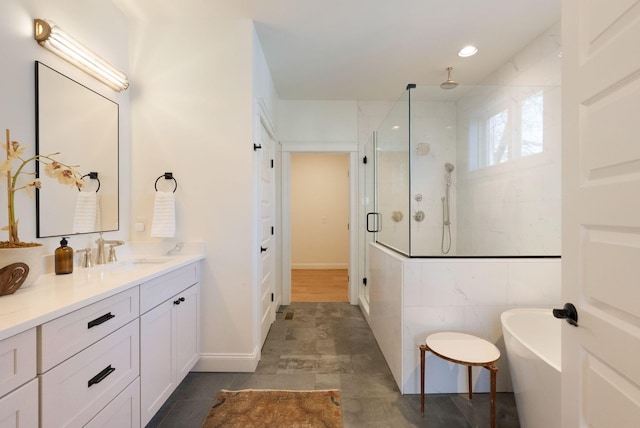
[256, 408]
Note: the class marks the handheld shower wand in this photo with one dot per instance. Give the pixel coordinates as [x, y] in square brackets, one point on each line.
[446, 220]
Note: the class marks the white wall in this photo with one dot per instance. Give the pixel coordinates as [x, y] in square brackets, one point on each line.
[99, 25]
[194, 115]
[317, 121]
[319, 211]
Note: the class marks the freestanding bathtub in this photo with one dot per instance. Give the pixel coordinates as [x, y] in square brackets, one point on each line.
[532, 340]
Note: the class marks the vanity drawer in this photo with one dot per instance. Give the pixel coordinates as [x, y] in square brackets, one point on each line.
[72, 393]
[17, 360]
[122, 412]
[65, 336]
[156, 291]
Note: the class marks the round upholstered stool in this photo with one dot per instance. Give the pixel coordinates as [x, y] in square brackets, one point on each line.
[466, 349]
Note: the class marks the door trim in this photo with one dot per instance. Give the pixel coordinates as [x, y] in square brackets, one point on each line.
[320, 147]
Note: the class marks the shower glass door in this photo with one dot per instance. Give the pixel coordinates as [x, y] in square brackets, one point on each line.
[392, 174]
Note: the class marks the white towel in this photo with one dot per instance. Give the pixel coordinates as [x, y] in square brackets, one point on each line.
[98, 227]
[164, 215]
[86, 210]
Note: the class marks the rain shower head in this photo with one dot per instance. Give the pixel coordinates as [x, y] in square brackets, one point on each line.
[450, 83]
[449, 167]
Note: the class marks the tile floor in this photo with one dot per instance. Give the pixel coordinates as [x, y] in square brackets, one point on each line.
[325, 346]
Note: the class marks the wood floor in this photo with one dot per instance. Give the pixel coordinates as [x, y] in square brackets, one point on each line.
[319, 285]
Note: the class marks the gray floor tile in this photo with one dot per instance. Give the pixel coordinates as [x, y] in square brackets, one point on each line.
[330, 346]
[298, 382]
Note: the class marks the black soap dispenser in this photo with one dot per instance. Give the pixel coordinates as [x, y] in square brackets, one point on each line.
[64, 258]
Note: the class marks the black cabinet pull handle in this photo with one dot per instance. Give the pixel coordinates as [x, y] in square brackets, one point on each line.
[263, 249]
[101, 376]
[106, 317]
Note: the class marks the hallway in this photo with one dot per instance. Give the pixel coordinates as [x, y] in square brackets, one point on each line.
[319, 285]
[325, 346]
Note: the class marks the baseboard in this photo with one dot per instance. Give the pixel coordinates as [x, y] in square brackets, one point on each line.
[227, 363]
[319, 265]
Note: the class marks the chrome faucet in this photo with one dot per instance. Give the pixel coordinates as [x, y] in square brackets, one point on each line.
[86, 257]
[101, 259]
[175, 249]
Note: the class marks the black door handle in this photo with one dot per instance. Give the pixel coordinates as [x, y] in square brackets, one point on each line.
[263, 249]
[377, 222]
[569, 313]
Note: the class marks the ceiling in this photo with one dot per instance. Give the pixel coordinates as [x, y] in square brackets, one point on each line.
[371, 49]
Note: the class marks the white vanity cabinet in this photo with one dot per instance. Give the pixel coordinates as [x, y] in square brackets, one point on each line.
[89, 364]
[18, 383]
[169, 335]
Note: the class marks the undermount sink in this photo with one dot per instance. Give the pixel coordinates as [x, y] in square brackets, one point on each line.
[128, 265]
[150, 260]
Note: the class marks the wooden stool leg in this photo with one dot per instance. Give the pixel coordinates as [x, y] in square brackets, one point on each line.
[469, 381]
[494, 372]
[422, 351]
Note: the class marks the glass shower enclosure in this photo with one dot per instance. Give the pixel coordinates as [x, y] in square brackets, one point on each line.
[467, 172]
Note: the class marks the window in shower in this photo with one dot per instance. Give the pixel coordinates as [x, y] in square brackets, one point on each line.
[498, 138]
[532, 124]
[513, 130]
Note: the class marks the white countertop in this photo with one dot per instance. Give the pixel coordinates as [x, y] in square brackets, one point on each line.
[54, 295]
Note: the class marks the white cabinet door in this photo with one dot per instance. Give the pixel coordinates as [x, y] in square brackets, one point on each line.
[187, 331]
[17, 360]
[169, 348]
[157, 364]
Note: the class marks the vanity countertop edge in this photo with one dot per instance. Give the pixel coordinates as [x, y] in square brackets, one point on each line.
[52, 296]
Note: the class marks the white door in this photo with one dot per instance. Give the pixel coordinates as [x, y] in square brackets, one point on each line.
[266, 232]
[601, 212]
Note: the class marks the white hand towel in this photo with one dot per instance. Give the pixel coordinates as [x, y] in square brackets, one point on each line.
[85, 216]
[98, 214]
[164, 215]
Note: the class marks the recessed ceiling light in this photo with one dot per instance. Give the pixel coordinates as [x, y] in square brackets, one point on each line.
[395, 127]
[466, 51]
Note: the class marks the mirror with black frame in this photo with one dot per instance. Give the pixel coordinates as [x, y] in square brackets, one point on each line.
[82, 126]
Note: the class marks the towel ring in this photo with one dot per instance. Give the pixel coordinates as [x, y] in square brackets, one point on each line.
[166, 176]
[92, 176]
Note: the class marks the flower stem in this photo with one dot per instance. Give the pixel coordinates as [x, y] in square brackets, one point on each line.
[13, 229]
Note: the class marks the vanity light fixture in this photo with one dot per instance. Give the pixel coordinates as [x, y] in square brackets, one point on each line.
[52, 37]
[467, 51]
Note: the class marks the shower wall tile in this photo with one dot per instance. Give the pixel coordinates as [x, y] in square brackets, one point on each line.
[534, 283]
[466, 295]
[418, 324]
[412, 291]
